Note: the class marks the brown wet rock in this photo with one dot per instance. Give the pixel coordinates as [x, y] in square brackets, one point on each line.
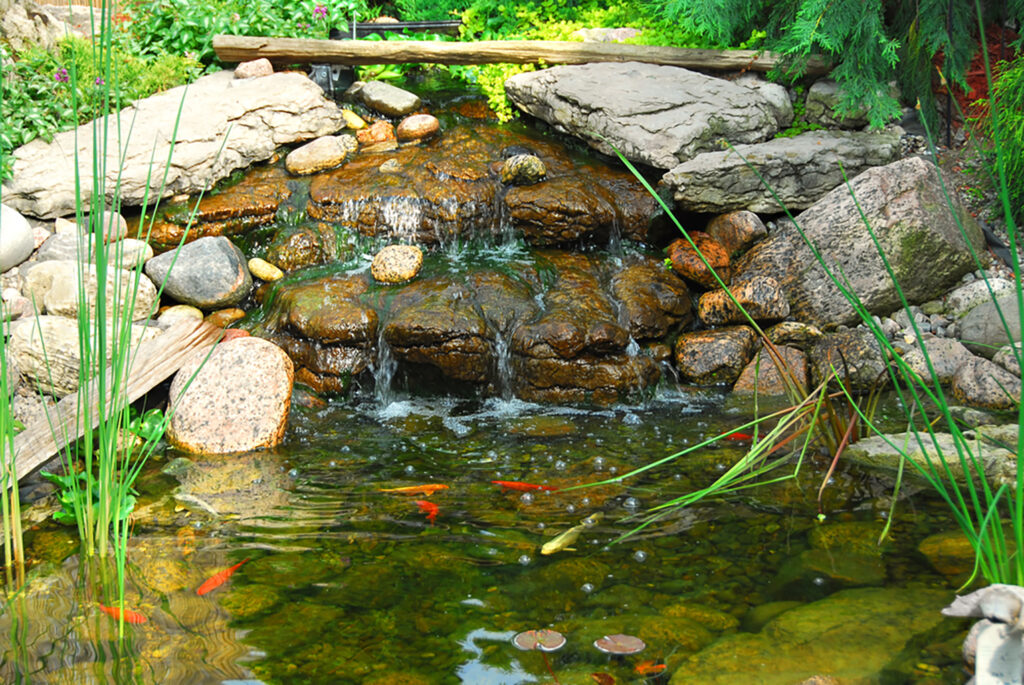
[505, 301]
[599, 380]
[237, 401]
[736, 231]
[856, 358]
[523, 170]
[328, 310]
[688, 264]
[234, 210]
[949, 553]
[761, 297]
[435, 322]
[417, 127]
[715, 356]
[762, 375]
[323, 153]
[579, 317]
[794, 334]
[378, 132]
[294, 248]
[225, 317]
[653, 299]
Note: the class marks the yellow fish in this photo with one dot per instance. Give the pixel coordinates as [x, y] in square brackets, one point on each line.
[562, 541]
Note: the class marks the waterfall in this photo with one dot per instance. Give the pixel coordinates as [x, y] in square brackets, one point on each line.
[502, 358]
[384, 367]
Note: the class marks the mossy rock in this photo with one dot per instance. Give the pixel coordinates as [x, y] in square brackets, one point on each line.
[709, 617]
[294, 569]
[246, 601]
[859, 537]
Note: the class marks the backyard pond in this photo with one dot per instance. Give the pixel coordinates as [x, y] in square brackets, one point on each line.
[347, 580]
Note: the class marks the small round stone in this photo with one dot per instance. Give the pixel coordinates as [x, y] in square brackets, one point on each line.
[352, 120]
[417, 127]
[522, 170]
[264, 270]
[396, 263]
[179, 312]
[225, 317]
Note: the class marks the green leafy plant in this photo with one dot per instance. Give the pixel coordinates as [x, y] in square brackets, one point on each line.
[68, 489]
[871, 43]
[1009, 118]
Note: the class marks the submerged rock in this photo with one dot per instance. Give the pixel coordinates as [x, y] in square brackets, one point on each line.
[716, 356]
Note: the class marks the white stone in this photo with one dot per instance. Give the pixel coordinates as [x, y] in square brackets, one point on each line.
[54, 286]
[16, 239]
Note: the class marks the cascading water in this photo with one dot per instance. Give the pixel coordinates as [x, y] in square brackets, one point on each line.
[502, 360]
[384, 367]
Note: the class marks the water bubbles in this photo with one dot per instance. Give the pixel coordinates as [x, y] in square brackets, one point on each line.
[409, 468]
[346, 448]
[631, 419]
[560, 465]
[598, 463]
[586, 588]
[677, 476]
[525, 560]
[541, 525]
[819, 580]
[585, 502]
[613, 470]
[293, 473]
[571, 508]
[640, 556]
[550, 457]
[526, 498]
[332, 463]
[631, 503]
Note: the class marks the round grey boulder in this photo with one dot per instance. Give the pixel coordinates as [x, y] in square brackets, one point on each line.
[388, 99]
[16, 241]
[209, 273]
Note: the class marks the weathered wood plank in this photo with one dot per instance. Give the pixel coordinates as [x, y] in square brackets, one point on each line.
[155, 361]
[305, 51]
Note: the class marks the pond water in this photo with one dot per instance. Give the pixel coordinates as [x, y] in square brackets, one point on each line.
[339, 578]
[348, 583]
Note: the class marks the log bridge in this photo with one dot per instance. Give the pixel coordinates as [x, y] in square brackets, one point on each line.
[286, 51]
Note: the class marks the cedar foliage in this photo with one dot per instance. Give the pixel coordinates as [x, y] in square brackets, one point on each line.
[871, 42]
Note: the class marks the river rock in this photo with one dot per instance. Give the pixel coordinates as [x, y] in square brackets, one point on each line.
[688, 263]
[715, 356]
[800, 170]
[417, 127]
[906, 208]
[658, 115]
[378, 137]
[46, 350]
[209, 273]
[26, 24]
[984, 384]
[959, 301]
[522, 170]
[736, 231]
[396, 263]
[16, 242]
[264, 270]
[981, 327]
[823, 98]
[222, 318]
[353, 120]
[854, 355]
[254, 68]
[235, 401]
[124, 254]
[178, 312]
[1008, 357]
[323, 153]
[794, 334]
[853, 634]
[946, 356]
[761, 297]
[112, 225]
[53, 286]
[653, 300]
[950, 553]
[762, 375]
[388, 99]
[262, 114]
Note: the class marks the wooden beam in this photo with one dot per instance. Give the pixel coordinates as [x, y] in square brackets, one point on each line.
[155, 361]
[306, 51]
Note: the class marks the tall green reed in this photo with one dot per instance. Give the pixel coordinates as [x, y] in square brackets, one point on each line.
[10, 508]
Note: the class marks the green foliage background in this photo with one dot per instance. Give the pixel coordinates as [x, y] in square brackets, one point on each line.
[871, 42]
[1009, 94]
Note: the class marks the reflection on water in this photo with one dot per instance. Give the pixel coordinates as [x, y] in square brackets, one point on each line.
[349, 584]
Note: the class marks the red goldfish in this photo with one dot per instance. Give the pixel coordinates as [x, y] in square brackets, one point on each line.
[425, 490]
[129, 615]
[516, 485]
[648, 667]
[739, 437]
[218, 579]
[429, 508]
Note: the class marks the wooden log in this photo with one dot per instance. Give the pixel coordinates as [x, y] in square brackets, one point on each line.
[306, 51]
[155, 360]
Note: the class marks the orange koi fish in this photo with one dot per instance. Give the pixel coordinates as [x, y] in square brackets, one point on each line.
[425, 490]
[218, 579]
[739, 437]
[429, 508]
[524, 487]
[649, 667]
[129, 615]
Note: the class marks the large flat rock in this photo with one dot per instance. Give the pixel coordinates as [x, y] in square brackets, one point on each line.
[657, 115]
[800, 170]
[255, 116]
